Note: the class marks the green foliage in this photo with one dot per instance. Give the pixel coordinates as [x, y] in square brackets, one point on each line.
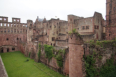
[29, 54]
[48, 51]
[100, 57]
[59, 57]
[74, 30]
[39, 53]
[91, 71]
[70, 32]
[109, 69]
[59, 60]
[99, 43]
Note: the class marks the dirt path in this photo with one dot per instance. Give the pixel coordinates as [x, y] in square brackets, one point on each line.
[2, 69]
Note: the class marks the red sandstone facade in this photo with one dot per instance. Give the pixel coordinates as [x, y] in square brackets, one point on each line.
[111, 19]
[11, 33]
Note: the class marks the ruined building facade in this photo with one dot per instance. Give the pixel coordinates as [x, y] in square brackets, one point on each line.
[111, 19]
[11, 33]
[25, 37]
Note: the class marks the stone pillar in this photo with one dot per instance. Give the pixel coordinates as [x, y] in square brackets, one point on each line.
[76, 52]
[4, 49]
[10, 49]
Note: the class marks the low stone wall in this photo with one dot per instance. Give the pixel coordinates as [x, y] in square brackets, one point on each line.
[3, 72]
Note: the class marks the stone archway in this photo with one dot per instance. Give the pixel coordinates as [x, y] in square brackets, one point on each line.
[1, 50]
[7, 49]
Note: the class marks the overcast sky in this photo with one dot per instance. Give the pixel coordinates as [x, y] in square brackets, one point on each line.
[30, 9]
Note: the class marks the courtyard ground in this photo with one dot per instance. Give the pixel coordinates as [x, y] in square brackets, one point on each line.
[17, 66]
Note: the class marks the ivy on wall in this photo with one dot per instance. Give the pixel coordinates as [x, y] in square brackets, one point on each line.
[106, 70]
[48, 51]
[39, 53]
[91, 71]
[59, 57]
[49, 54]
[29, 54]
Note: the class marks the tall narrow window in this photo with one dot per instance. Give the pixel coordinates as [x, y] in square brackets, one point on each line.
[4, 24]
[0, 18]
[4, 19]
[8, 25]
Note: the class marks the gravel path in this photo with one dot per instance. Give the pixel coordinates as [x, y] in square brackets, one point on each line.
[2, 69]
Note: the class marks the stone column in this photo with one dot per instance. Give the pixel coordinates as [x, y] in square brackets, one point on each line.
[4, 49]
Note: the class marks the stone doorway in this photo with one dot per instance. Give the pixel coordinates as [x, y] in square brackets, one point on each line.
[7, 49]
[1, 50]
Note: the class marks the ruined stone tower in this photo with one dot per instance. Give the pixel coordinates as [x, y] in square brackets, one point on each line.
[75, 55]
[29, 30]
[111, 19]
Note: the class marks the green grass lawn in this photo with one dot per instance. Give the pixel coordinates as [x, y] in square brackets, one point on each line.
[17, 67]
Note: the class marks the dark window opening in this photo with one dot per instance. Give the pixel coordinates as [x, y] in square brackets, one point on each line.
[46, 33]
[87, 27]
[1, 31]
[17, 38]
[8, 31]
[1, 50]
[109, 34]
[53, 38]
[7, 39]
[7, 49]
[83, 27]
[54, 44]
[51, 43]
[31, 25]
[5, 31]
[50, 26]
[13, 48]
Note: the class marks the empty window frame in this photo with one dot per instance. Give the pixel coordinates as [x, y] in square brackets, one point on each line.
[8, 31]
[15, 30]
[8, 25]
[83, 27]
[96, 27]
[11, 25]
[0, 18]
[87, 27]
[4, 19]
[17, 20]
[14, 20]
[5, 24]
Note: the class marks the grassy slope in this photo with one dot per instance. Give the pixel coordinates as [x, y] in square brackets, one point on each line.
[17, 67]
